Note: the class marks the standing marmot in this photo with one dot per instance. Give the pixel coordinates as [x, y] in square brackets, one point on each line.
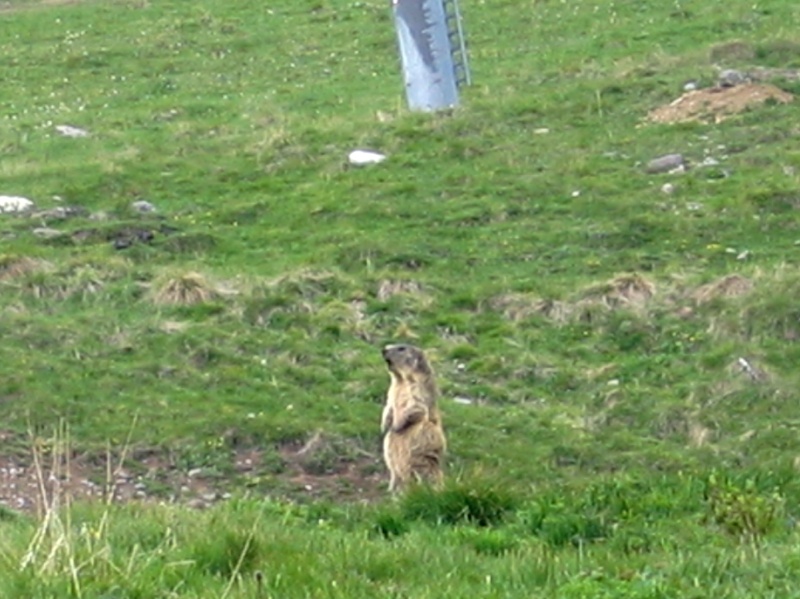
[414, 445]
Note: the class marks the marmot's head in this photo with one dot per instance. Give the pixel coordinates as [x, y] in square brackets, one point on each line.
[406, 361]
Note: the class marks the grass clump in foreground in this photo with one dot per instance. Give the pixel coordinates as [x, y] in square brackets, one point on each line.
[627, 537]
[622, 345]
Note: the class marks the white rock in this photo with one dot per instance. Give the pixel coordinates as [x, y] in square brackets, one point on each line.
[143, 206]
[14, 204]
[46, 233]
[362, 157]
[668, 188]
[70, 131]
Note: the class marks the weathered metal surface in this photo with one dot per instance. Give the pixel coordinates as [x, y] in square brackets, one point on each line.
[432, 52]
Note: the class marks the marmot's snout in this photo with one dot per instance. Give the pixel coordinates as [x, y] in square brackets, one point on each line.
[390, 351]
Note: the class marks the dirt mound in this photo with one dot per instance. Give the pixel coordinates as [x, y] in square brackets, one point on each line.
[715, 104]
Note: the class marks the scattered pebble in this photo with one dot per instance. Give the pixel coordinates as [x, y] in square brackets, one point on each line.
[690, 86]
[362, 157]
[668, 188]
[541, 131]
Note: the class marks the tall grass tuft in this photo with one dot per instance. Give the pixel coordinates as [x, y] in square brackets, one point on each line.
[472, 501]
[226, 552]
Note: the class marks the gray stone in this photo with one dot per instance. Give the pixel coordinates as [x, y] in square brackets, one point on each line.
[60, 212]
[731, 77]
[665, 164]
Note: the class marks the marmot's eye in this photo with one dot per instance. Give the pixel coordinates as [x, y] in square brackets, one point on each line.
[402, 348]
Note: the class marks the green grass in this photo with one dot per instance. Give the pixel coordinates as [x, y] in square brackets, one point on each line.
[584, 313]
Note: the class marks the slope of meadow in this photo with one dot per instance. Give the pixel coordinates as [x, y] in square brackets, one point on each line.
[617, 349]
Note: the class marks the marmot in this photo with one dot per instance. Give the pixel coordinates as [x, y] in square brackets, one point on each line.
[414, 442]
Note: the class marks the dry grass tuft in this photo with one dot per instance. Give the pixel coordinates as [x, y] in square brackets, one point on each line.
[188, 289]
[626, 290]
[405, 331]
[390, 288]
[698, 434]
[84, 282]
[12, 267]
[517, 307]
[728, 286]
[306, 283]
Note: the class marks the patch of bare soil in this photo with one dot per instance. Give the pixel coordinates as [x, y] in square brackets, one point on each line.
[312, 470]
[715, 104]
[334, 469]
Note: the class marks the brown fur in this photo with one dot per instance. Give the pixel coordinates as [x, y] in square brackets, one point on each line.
[414, 442]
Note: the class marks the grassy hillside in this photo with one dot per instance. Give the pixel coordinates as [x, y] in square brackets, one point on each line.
[617, 358]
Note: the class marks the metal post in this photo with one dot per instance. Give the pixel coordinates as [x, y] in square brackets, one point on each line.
[432, 52]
